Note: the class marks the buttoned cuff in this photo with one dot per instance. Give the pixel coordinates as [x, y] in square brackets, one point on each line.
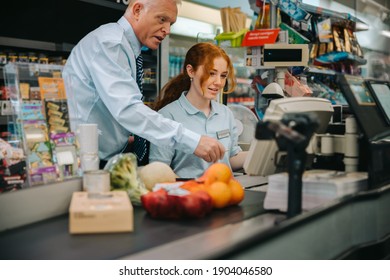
[189, 141]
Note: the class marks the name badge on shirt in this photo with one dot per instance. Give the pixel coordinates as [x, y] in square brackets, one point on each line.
[223, 133]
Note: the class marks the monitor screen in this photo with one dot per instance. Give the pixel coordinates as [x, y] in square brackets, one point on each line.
[381, 92]
[362, 104]
[276, 55]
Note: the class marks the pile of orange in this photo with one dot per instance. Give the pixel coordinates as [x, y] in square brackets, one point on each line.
[219, 183]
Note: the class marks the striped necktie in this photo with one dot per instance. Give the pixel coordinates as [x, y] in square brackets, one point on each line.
[140, 71]
[140, 145]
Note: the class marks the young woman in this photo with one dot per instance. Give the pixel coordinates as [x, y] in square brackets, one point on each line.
[190, 98]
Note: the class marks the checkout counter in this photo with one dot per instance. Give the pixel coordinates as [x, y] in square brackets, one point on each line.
[34, 223]
[351, 227]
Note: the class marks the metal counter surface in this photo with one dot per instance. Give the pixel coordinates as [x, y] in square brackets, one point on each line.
[50, 239]
[246, 231]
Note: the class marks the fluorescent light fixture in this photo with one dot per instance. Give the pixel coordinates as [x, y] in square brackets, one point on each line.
[385, 33]
[191, 28]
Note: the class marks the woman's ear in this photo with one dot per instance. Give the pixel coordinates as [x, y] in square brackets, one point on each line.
[190, 70]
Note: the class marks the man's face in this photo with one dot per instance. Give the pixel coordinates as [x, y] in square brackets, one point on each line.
[154, 22]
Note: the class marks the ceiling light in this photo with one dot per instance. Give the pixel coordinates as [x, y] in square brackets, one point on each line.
[191, 28]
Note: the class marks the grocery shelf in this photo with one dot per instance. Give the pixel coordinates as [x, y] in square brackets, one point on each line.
[334, 57]
[34, 44]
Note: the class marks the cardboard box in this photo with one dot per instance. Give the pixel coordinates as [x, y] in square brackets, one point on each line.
[100, 212]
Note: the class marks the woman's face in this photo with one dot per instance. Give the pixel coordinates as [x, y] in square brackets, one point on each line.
[216, 81]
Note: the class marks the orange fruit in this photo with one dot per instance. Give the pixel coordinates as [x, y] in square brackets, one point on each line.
[192, 186]
[217, 172]
[237, 191]
[220, 194]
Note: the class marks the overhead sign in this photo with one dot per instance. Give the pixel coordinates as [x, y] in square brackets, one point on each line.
[260, 37]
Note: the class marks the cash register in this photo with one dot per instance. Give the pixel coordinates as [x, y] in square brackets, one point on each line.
[369, 101]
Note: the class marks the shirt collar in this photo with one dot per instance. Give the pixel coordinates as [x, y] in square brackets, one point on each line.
[130, 36]
[191, 110]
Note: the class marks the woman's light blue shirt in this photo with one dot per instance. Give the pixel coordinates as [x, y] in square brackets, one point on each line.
[220, 124]
[100, 79]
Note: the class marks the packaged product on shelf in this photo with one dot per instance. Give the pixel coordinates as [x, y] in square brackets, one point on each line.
[294, 87]
[66, 159]
[52, 88]
[12, 57]
[3, 58]
[32, 57]
[322, 49]
[39, 152]
[263, 19]
[25, 90]
[35, 93]
[338, 39]
[57, 115]
[347, 41]
[43, 59]
[355, 47]
[5, 93]
[22, 57]
[314, 51]
[325, 31]
[292, 9]
[12, 167]
[330, 47]
[32, 110]
[6, 108]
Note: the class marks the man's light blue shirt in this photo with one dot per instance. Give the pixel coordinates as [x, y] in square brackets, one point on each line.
[100, 78]
[220, 124]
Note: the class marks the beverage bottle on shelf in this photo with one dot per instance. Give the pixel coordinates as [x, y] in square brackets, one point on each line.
[263, 19]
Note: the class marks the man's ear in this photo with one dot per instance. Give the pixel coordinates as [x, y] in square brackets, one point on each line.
[136, 10]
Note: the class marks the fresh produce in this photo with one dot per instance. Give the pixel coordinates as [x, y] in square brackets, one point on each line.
[156, 172]
[173, 202]
[220, 194]
[123, 176]
[216, 188]
[219, 183]
[237, 192]
[159, 205]
[216, 172]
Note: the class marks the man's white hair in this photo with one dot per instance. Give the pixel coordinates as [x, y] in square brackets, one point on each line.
[131, 2]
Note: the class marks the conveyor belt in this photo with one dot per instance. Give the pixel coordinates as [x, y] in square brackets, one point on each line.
[50, 239]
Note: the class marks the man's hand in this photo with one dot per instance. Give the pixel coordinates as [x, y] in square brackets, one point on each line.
[209, 149]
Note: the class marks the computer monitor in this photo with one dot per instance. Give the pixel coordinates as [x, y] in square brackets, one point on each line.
[362, 99]
[380, 90]
[263, 156]
[373, 123]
